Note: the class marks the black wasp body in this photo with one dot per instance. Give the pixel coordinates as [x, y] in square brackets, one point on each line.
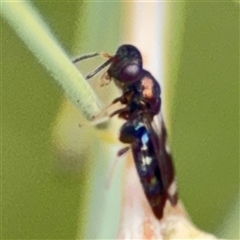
[141, 97]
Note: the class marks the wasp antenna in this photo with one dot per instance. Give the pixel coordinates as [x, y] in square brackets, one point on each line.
[91, 55]
[98, 69]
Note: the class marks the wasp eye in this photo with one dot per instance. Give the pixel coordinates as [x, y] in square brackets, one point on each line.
[130, 73]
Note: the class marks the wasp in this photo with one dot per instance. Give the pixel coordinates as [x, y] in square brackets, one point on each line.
[147, 141]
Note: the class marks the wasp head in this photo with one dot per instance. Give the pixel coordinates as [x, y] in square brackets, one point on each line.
[126, 65]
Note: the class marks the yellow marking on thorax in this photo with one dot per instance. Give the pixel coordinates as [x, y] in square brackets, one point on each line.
[147, 84]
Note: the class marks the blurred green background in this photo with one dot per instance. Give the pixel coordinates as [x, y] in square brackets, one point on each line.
[203, 102]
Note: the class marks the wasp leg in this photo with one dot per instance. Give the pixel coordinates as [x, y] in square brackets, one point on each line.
[105, 79]
[122, 151]
[112, 168]
[122, 99]
[122, 113]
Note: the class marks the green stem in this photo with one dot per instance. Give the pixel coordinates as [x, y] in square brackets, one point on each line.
[26, 22]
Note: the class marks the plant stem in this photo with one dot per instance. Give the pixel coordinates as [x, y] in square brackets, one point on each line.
[28, 25]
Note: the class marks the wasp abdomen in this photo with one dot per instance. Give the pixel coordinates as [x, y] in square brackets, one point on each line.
[136, 133]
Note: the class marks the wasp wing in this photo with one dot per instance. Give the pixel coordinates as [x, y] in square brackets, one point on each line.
[164, 158]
